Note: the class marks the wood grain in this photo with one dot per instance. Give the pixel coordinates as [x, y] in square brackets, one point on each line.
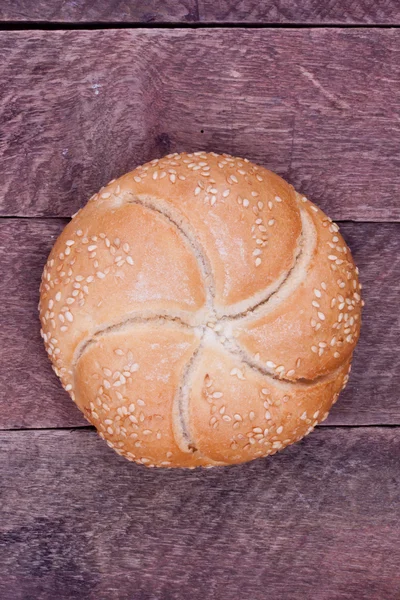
[31, 395]
[300, 11]
[202, 11]
[320, 521]
[320, 107]
[101, 11]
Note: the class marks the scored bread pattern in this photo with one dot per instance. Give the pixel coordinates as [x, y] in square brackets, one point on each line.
[131, 337]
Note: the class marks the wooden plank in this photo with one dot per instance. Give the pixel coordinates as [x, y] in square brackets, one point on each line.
[31, 395]
[320, 107]
[207, 11]
[303, 11]
[101, 11]
[320, 521]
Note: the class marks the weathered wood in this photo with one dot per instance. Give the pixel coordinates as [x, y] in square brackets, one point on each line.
[320, 107]
[205, 11]
[299, 11]
[320, 521]
[31, 395]
[101, 11]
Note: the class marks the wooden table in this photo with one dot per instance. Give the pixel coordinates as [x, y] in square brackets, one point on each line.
[88, 90]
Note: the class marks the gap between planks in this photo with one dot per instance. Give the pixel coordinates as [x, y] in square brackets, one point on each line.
[60, 25]
[91, 428]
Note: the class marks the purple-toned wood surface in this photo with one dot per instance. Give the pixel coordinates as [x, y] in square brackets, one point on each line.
[202, 11]
[103, 11]
[31, 395]
[319, 521]
[320, 107]
[300, 11]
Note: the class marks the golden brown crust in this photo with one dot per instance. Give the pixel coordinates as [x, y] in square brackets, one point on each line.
[313, 330]
[238, 413]
[205, 287]
[244, 217]
[128, 381]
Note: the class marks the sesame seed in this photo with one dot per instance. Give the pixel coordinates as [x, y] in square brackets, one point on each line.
[317, 293]
[257, 262]
[58, 296]
[217, 395]
[267, 415]
[321, 316]
[246, 203]
[69, 316]
[332, 257]
[105, 195]
[226, 193]
[100, 274]
[237, 417]
[270, 364]
[290, 373]
[279, 429]
[69, 243]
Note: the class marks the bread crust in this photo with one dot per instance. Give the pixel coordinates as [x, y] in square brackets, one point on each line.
[192, 269]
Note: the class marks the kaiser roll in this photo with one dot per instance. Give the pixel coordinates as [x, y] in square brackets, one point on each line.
[200, 311]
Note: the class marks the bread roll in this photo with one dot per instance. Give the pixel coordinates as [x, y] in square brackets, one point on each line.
[200, 312]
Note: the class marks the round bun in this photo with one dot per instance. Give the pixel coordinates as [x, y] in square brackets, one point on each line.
[201, 312]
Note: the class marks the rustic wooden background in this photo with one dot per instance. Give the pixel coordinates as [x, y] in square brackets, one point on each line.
[88, 90]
